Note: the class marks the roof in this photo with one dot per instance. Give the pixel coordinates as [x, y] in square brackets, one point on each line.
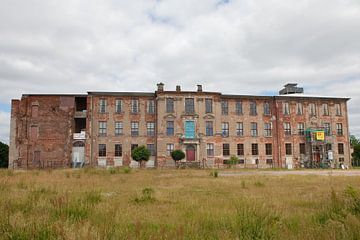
[135, 94]
[301, 95]
[53, 94]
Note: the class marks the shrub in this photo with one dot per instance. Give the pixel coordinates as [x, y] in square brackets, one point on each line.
[140, 154]
[177, 155]
[214, 173]
[127, 169]
[147, 195]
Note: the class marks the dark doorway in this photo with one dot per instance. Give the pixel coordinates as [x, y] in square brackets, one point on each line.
[190, 153]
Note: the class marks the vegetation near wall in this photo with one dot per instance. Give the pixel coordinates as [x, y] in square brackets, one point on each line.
[355, 143]
[4, 155]
[173, 204]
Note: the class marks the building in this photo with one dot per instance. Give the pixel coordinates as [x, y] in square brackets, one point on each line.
[101, 128]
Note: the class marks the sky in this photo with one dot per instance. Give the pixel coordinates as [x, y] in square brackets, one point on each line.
[231, 46]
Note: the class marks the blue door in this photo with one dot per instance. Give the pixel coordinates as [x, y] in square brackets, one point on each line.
[189, 129]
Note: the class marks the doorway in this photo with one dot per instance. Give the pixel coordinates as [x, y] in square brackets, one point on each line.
[190, 153]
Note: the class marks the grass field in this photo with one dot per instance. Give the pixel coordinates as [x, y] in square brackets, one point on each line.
[176, 204]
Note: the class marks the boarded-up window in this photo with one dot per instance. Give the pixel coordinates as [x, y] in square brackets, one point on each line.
[36, 157]
[34, 111]
[34, 132]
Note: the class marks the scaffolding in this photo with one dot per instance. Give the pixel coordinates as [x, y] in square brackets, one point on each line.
[318, 154]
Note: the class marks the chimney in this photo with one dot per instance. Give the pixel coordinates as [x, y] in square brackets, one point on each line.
[178, 88]
[199, 88]
[160, 87]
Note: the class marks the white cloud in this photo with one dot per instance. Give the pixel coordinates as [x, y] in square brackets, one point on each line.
[238, 46]
[4, 127]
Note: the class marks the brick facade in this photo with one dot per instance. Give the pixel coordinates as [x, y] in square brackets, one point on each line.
[100, 128]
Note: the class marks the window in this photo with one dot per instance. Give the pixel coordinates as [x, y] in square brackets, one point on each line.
[151, 106]
[134, 106]
[340, 148]
[288, 149]
[210, 149]
[302, 148]
[102, 105]
[287, 128]
[268, 149]
[37, 158]
[267, 110]
[209, 128]
[254, 131]
[102, 128]
[34, 111]
[299, 109]
[226, 149]
[312, 109]
[239, 129]
[301, 128]
[151, 148]
[224, 107]
[208, 105]
[118, 128]
[328, 147]
[267, 129]
[254, 149]
[240, 149]
[189, 105]
[325, 109]
[327, 129]
[338, 109]
[133, 146]
[169, 148]
[239, 108]
[102, 150]
[341, 159]
[253, 108]
[286, 108]
[269, 161]
[169, 105]
[118, 105]
[118, 150]
[339, 129]
[134, 128]
[150, 126]
[170, 128]
[225, 129]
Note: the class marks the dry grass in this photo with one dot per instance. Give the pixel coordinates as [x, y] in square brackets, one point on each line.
[176, 204]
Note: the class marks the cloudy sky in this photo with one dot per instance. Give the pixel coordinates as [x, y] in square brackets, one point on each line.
[232, 46]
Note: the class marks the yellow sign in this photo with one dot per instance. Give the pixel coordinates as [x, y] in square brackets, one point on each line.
[320, 136]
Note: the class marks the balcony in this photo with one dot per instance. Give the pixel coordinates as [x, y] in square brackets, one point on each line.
[80, 136]
[80, 114]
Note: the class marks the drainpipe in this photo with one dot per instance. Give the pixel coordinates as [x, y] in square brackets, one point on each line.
[92, 130]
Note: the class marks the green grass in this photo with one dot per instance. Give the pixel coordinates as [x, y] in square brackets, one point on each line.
[176, 204]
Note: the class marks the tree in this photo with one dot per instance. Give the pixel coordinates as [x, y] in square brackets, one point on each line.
[177, 155]
[4, 155]
[140, 154]
[355, 143]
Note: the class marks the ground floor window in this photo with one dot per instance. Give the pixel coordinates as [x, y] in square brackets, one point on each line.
[118, 150]
[102, 150]
[226, 149]
[210, 149]
[169, 148]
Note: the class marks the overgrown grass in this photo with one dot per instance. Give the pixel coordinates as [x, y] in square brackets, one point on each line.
[170, 204]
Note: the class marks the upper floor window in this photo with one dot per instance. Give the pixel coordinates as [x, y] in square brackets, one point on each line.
[134, 128]
[312, 109]
[150, 126]
[170, 128]
[189, 105]
[208, 105]
[299, 108]
[287, 128]
[169, 105]
[325, 109]
[301, 128]
[254, 131]
[239, 129]
[118, 128]
[253, 111]
[267, 129]
[338, 109]
[209, 131]
[102, 128]
[339, 129]
[102, 105]
[224, 107]
[238, 108]
[327, 129]
[267, 110]
[134, 106]
[225, 129]
[286, 108]
[340, 148]
[118, 105]
[151, 106]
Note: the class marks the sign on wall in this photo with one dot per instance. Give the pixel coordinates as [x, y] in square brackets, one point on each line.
[320, 136]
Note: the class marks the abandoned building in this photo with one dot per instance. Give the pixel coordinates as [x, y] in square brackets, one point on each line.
[289, 130]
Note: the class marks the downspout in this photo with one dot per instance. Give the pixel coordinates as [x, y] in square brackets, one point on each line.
[91, 126]
[156, 130]
[348, 134]
[277, 133]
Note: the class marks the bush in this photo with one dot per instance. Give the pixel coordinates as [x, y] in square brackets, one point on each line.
[177, 155]
[127, 169]
[214, 173]
[140, 154]
[147, 196]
